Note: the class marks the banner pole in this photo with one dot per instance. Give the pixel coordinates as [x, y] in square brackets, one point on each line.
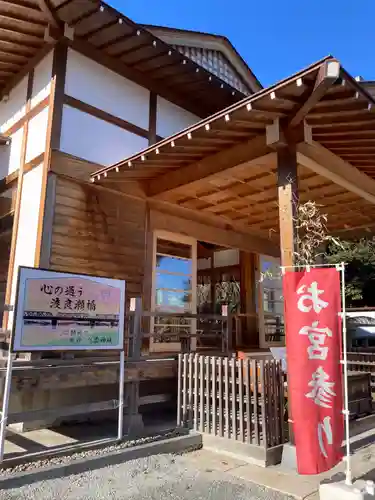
[348, 472]
[121, 396]
[4, 411]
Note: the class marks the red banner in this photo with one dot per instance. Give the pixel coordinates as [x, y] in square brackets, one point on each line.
[313, 340]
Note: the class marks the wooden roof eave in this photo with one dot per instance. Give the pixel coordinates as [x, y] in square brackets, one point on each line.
[247, 103]
[273, 100]
[90, 19]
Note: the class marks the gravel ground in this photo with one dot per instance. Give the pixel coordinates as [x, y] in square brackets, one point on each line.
[166, 477]
[62, 459]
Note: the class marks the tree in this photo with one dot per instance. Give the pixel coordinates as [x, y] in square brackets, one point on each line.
[359, 257]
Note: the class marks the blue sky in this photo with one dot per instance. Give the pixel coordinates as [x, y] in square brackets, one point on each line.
[276, 38]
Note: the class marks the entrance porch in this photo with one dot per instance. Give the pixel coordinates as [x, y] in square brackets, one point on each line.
[227, 191]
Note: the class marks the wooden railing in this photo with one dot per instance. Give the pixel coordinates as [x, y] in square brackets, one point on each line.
[240, 400]
[211, 331]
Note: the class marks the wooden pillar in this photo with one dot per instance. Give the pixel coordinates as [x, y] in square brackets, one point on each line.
[152, 136]
[55, 113]
[248, 290]
[288, 202]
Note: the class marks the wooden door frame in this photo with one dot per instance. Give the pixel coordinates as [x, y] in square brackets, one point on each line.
[187, 240]
[260, 309]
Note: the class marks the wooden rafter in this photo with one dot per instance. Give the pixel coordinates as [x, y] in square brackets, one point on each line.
[327, 75]
[50, 13]
[324, 162]
[211, 165]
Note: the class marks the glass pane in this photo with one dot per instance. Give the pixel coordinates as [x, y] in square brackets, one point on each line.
[168, 300]
[173, 282]
[173, 264]
[270, 269]
[173, 248]
[167, 329]
[274, 328]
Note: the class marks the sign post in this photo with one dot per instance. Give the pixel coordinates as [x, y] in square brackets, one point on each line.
[4, 411]
[348, 472]
[121, 396]
[313, 318]
[66, 312]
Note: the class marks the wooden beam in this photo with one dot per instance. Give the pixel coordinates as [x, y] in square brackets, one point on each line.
[29, 115]
[288, 203]
[179, 179]
[103, 115]
[212, 234]
[152, 137]
[332, 167]
[327, 75]
[47, 202]
[60, 62]
[279, 136]
[50, 13]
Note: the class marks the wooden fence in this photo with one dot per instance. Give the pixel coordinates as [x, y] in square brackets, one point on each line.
[363, 362]
[241, 400]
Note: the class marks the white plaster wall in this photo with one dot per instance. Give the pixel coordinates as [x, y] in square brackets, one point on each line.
[36, 136]
[95, 140]
[171, 119]
[4, 160]
[14, 158]
[27, 224]
[12, 109]
[94, 84]
[42, 80]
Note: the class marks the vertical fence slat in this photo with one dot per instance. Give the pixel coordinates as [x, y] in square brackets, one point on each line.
[220, 376]
[201, 396]
[248, 400]
[214, 395]
[270, 408]
[196, 393]
[184, 388]
[190, 389]
[268, 417]
[277, 409]
[208, 405]
[234, 397]
[254, 376]
[263, 403]
[179, 389]
[240, 402]
[282, 402]
[227, 411]
[271, 420]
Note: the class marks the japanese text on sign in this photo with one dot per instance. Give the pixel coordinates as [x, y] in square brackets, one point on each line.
[67, 311]
[312, 317]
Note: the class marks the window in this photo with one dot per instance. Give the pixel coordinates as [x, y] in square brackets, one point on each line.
[174, 290]
[270, 303]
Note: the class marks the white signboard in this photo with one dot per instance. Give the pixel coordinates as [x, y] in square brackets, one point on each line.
[67, 312]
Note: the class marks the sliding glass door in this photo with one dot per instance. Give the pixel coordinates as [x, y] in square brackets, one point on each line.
[173, 290]
[270, 303]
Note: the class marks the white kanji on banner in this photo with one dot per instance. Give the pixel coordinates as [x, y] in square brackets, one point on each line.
[327, 429]
[322, 389]
[312, 296]
[317, 337]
